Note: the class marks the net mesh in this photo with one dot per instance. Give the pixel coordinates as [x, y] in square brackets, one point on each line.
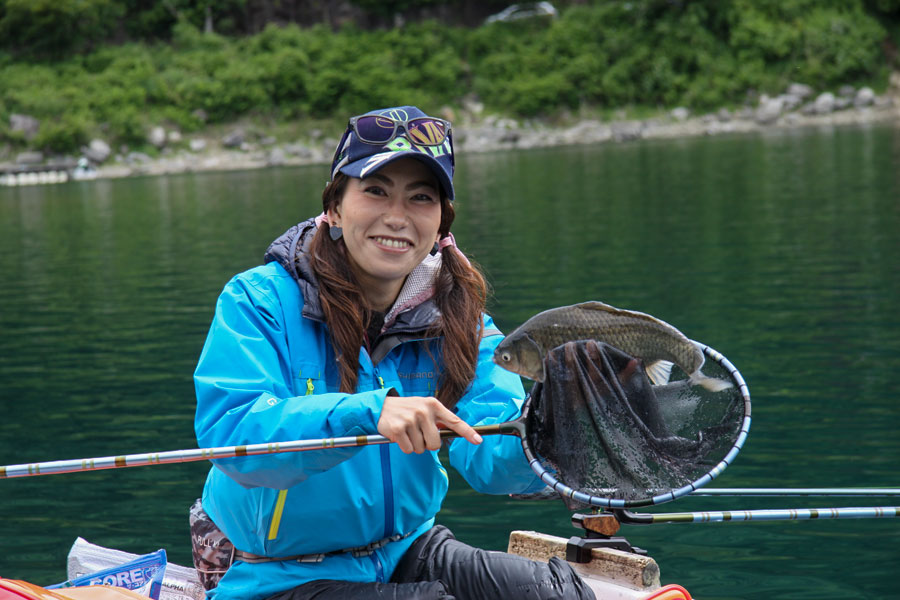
[599, 426]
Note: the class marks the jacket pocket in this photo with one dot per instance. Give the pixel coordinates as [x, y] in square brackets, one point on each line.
[305, 387]
[277, 511]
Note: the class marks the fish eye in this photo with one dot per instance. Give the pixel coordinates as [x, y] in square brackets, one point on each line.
[506, 357]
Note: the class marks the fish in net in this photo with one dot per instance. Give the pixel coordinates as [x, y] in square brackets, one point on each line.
[598, 425]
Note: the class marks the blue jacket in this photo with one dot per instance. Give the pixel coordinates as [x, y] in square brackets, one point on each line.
[267, 373]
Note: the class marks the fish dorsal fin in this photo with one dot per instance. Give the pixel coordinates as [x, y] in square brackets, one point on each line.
[659, 372]
[600, 306]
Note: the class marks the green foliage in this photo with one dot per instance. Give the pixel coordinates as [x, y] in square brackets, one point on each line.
[392, 7]
[840, 47]
[128, 125]
[55, 27]
[65, 134]
[651, 53]
[146, 20]
[187, 37]
[820, 43]
[642, 53]
[885, 7]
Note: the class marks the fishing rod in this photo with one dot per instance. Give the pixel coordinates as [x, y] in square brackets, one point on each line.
[823, 491]
[77, 465]
[622, 492]
[788, 514]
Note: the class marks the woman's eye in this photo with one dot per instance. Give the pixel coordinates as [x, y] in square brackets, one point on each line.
[375, 190]
[424, 198]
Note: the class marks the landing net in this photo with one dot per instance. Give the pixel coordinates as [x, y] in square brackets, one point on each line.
[605, 436]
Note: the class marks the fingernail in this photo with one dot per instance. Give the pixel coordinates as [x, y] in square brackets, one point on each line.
[477, 438]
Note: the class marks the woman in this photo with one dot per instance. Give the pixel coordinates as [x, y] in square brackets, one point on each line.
[367, 319]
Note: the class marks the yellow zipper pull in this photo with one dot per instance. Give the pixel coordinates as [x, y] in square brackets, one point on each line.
[309, 387]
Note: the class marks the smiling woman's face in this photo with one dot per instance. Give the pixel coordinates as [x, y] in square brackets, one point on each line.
[390, 222]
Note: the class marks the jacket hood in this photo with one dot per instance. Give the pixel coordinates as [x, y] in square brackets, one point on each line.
[414, 309]
[291, 251]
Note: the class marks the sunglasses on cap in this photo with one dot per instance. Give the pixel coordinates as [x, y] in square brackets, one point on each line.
[379, 130]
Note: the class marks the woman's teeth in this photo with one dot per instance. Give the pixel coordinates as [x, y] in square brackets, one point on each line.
[392, 243]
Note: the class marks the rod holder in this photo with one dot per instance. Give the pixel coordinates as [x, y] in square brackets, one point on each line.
[599, 529]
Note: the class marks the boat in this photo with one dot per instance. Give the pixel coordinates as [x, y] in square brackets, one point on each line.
[84, 171]
[612, 573]
[609, 565]
[19, 175]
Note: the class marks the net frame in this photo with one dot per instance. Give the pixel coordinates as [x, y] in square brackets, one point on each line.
[582, 497]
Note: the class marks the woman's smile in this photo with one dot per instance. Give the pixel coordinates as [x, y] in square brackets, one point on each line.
[390, 221]
[392, 244]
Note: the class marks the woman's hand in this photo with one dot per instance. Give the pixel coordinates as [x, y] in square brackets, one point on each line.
[414, 423]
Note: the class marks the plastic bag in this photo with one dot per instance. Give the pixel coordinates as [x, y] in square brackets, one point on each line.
[143, 575]
[179, 582]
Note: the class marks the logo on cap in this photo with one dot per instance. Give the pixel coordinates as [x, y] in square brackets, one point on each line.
[397, 114]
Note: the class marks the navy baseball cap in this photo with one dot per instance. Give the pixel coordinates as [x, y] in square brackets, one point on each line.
[382, 136]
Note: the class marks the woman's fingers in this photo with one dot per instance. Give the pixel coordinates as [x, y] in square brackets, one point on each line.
[404, 442]
[414, 423]
[451, 421]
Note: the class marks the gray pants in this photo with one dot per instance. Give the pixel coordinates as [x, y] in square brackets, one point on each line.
[439, 567]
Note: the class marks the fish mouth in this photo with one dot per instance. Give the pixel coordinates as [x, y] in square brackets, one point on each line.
[498, 360]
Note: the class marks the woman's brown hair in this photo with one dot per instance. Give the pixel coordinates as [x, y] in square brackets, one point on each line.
[460, 294]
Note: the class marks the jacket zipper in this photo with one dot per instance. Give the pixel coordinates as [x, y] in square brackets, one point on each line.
[387, 486]
[379, 568]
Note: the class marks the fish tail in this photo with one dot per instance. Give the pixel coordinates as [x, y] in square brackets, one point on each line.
[710, 383]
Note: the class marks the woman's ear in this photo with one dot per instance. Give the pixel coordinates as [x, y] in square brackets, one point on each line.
[436, 247]
[334, 216]
[334, 225]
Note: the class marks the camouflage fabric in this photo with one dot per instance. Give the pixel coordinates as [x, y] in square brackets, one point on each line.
[213, 553]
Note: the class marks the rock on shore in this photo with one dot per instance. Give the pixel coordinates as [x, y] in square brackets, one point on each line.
[798, 106]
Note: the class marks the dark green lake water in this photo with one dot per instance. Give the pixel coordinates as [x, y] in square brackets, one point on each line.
[782, 251]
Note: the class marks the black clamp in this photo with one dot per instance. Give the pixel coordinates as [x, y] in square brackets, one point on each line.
[578, 549]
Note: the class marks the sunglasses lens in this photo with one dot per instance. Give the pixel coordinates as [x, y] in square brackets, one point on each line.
[375, 129]
[426, 131]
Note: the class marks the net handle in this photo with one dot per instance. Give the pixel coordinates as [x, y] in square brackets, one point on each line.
[83, 465]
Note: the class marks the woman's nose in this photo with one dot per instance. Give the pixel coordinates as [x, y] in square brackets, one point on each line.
[395, 213]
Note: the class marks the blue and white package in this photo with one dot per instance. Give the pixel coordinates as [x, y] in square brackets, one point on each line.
[143, 575]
